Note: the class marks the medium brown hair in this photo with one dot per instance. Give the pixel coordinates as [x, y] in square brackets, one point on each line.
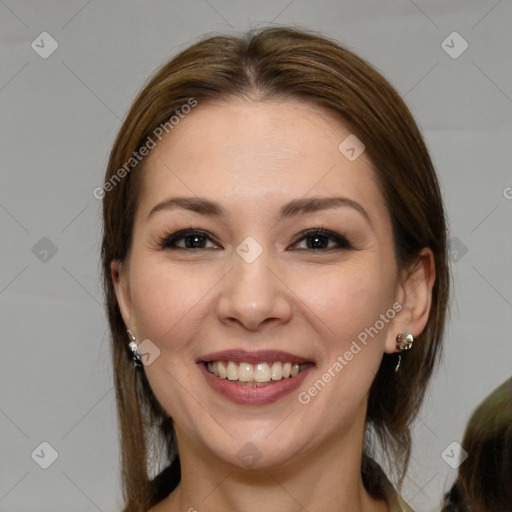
[484, 482]
[282, 63]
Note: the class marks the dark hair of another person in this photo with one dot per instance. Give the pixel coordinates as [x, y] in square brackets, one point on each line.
[484, 482]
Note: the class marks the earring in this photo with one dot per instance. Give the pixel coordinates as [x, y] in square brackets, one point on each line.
[404, 342]
[137, 359]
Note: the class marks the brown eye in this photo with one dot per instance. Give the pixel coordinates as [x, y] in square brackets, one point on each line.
[319, 239]
[193, 239]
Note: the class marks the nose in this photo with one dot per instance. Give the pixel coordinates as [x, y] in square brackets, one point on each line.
[254, 294]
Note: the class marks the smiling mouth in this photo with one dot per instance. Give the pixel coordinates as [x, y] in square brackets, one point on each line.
[259, 374]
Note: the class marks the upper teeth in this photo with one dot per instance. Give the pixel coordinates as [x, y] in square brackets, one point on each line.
[260, 372]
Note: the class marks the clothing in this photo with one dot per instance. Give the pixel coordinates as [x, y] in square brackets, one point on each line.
[394, 500]
[379, 487]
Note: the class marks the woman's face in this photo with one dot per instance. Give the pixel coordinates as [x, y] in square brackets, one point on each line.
[252, 282]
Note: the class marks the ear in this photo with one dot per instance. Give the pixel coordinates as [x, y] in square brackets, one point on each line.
[414, 294]
[119, 275]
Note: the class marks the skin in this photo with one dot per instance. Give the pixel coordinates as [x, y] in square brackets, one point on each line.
[252, 157]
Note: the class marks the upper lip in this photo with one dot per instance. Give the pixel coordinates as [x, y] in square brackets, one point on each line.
[243, 356]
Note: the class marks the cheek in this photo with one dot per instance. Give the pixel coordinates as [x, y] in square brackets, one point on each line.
[168, 300]
[349, 305]
[169, 305]
[348, 299]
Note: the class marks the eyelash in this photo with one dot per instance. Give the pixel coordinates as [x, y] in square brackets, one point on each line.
[168, 242]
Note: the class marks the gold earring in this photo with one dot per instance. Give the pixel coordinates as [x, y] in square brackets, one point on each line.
[404, 342]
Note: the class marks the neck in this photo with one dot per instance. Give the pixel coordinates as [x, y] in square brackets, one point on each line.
[326, 478]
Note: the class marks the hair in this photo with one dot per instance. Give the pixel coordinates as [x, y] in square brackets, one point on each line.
[281, 63]
[484, 480]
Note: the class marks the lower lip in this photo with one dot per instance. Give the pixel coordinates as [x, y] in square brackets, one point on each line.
[254, 395]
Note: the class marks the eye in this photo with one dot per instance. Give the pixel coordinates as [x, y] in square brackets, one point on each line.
[193, 239]
[319, 238]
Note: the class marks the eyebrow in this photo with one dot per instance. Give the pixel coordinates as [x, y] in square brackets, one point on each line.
[292, 209]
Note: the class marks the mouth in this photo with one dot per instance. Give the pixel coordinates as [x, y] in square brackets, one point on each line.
[259, 374]
[254, 378]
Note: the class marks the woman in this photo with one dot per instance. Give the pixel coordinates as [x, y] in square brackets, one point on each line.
[274, 242]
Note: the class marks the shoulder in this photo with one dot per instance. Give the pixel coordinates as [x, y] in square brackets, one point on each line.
[162, 506]
[382, 488]
[168, 504]
[395, 501]
[402, 505]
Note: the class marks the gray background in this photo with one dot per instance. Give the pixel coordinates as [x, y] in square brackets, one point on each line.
[59, 116]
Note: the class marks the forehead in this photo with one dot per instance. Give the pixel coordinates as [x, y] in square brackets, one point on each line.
[245, 150]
